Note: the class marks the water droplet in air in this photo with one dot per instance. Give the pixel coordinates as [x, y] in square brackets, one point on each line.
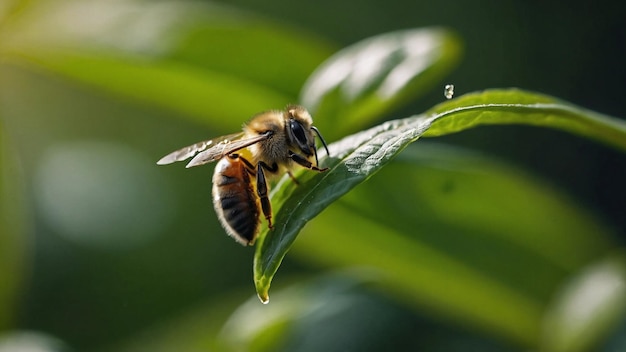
[448, 91]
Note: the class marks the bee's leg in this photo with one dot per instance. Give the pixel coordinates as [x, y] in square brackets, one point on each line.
[249, 167]
[293, 178]
[262, 191]
[302, 161]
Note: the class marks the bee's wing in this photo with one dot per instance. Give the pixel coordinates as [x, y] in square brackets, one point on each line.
[191, 150]
[224, 148]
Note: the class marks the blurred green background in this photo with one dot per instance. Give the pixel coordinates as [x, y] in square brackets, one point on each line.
[102, 250]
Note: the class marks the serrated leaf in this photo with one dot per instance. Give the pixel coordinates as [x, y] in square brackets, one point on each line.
[357, 157]
[370, 78]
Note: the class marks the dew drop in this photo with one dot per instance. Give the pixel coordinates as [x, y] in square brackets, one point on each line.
[448, 91]
[265, 299]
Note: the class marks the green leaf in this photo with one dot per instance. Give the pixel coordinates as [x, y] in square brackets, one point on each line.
[354, 159]
[206, 62]
[515, 106]
[370, 78]
[152, 84]
[357, 157]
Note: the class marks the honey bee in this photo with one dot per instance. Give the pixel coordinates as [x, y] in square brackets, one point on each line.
[272, 142]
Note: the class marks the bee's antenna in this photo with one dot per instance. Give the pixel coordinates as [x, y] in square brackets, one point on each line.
[322, 139]
[315, 152]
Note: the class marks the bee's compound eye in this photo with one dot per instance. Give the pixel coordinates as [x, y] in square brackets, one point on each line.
[298, 132]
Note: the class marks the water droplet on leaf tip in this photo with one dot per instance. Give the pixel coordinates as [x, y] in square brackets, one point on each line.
[265, 299]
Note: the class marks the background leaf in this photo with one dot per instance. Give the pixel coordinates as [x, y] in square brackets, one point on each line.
[374, 76]
[172, 66]
[587, 307]
[453, 251]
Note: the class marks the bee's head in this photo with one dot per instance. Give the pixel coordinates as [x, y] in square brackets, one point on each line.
[300, 131]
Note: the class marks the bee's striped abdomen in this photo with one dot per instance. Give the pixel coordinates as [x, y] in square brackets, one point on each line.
[235, 200]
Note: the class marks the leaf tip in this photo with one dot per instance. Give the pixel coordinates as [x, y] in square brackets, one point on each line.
[262, 290]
